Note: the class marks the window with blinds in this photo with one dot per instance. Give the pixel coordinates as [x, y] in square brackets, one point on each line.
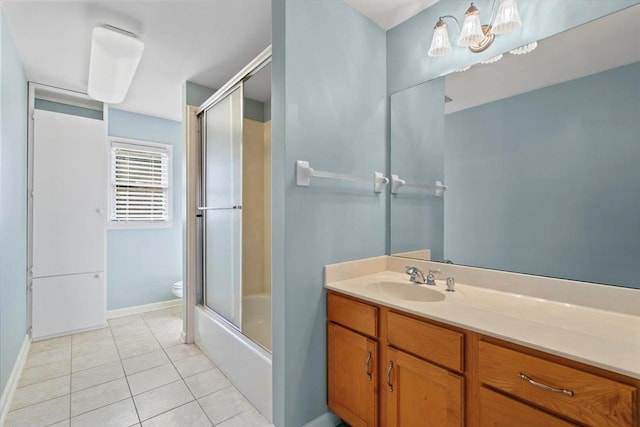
[140, 183]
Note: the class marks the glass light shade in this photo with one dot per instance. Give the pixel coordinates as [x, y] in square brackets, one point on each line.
[507, 18]
[528, 48]
[114, 59]
[471, 32]
[440, 44]
[492, 60]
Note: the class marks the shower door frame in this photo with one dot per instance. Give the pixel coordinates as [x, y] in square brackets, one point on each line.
[198, 286]
[204, 203]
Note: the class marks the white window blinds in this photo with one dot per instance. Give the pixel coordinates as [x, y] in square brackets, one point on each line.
[140, 183]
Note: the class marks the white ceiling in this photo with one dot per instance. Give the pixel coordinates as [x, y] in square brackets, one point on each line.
[389, 13]
[206, 42]
[606, 43]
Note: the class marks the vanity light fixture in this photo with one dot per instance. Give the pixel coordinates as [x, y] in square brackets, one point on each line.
[115, 55]
[527, 48]
[473, 35]
[492, 60]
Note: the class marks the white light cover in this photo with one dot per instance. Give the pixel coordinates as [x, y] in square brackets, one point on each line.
[471, 32]
[440, 44]
[492, 60]
[507, 18]
[527, 48]
[114, 59]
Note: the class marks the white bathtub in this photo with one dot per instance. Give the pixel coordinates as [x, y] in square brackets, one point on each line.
[245, 363]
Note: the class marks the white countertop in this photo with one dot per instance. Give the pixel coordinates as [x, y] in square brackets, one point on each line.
[600, 338]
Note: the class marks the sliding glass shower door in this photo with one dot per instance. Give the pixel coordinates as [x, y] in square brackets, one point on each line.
[222, 207]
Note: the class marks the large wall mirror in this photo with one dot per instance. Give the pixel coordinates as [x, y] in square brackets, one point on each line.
[539, 156]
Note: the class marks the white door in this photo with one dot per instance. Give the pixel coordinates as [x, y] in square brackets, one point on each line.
[69, 226]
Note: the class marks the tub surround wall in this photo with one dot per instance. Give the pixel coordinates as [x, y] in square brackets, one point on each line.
[143, 263]
[13, 207]
[408, 63]
[329, 108]
[255, 215]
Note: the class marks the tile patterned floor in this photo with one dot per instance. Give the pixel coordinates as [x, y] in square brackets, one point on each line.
[134, 373]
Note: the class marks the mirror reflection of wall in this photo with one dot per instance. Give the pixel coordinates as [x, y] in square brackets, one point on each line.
[539, 153]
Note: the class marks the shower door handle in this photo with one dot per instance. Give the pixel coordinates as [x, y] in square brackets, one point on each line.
[210, 208]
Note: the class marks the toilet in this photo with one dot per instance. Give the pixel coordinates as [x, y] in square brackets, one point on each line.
[176, 289]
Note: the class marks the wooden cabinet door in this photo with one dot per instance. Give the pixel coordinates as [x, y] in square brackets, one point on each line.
[421, 394]
[352, 364]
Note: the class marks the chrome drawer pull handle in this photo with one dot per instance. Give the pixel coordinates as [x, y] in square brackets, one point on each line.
[544, 386]
[389, 376]
[368, 366]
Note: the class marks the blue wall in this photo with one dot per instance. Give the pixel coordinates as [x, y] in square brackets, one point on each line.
[329, 97]
[142, 264]
[407, 44]
[555, 181]
[13, 205]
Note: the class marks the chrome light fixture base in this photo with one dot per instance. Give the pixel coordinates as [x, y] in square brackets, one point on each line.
[486, 42]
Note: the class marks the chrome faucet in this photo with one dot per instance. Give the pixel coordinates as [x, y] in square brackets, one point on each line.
[431, 278]
[417, 276]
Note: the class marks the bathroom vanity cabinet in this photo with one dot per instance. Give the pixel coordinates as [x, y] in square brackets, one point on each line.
[390, 368]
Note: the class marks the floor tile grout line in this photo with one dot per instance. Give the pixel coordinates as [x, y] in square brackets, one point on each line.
[42, 381]
[181, 377]
[233, 416]
[44, 401]
[70, 377]
[127, 380]
[100, 407]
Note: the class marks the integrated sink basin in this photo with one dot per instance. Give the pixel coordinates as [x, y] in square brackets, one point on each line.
[405, 291]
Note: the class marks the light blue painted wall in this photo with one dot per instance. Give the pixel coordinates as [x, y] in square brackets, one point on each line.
[331, 110]
[13, 204]
[407, 44]
[196, 94]
[552, 187]
[417, 126]
[143, 264]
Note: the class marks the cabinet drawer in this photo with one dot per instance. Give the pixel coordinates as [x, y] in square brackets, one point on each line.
[355, 315]
[500, 411]
[596, 401]
[431, 342]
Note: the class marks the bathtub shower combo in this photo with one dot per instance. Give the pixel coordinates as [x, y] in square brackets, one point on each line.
[232, 316]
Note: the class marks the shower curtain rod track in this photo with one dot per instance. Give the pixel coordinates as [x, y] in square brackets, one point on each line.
[249, 70]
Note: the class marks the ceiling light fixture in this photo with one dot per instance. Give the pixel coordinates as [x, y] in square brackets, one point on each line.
[473, 34]
[115, 55]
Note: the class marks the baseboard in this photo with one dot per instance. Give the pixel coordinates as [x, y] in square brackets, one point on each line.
[328, 419]
[137, 309]
[12, 383]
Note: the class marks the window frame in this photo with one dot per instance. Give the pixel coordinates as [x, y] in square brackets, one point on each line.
[141, 145]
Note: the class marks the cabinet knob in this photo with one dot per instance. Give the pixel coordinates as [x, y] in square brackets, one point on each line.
[97, 275]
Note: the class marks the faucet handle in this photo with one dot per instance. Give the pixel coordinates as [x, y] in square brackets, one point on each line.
[451, 282]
